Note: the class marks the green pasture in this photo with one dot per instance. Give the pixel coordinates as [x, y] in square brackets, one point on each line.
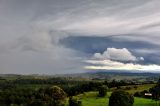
[139, 88]
[91, 99]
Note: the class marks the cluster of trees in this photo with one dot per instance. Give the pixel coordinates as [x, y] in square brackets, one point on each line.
[154, 92]
[15, 92]
[60, 81]
[80, 88]
[52, 96]
[53, 80]
[142, 94]
[117, 84]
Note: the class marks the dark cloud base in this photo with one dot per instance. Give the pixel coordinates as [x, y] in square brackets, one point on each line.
[91, 45]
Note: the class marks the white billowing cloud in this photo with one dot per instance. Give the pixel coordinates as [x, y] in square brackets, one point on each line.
[114, 65]
[118, 59]
[117, 54]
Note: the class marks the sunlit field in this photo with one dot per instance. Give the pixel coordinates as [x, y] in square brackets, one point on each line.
[91, 99]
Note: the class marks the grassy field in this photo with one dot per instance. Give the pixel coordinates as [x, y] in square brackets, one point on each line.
[139, 88]
[91, 99]
[132, 90]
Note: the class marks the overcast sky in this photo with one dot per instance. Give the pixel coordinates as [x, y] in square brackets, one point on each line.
[74, 36]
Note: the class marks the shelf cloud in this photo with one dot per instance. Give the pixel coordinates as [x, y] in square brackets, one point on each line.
[114, 65]
[118, 59]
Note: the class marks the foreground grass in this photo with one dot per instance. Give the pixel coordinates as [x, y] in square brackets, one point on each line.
[144, 102]
[91, 99]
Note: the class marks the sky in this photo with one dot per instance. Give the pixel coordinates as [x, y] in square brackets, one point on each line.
[76, 36]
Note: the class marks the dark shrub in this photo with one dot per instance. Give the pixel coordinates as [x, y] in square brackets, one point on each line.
[121, 98]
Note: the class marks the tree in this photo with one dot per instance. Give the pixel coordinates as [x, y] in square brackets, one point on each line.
[74, 102]
[121, 98]
[57, 95]
[102, 91]
[155, 91]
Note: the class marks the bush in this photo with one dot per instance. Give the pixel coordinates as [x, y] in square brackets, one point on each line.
[57, 95]
[135, 87]
[138, 94]
[128, 88]
[74, 102]
[102, 91]
[121, 98]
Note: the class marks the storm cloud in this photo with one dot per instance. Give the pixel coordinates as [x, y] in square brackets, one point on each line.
[57, 36]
